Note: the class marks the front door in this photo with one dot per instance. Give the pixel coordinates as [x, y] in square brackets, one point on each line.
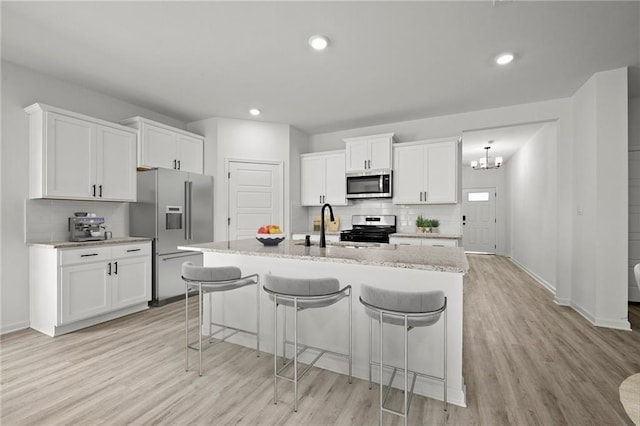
[479, 220]
[256, 197]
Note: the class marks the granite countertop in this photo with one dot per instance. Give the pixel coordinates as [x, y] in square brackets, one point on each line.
[427, 235]
[71, 244]
[440, 259]
[315, 233]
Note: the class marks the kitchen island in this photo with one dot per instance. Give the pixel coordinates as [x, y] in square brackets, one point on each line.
[405, 268]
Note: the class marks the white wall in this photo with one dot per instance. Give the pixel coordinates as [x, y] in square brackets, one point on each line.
[531, 182]
[22, 87]
[492, 178]
[299, 144]
[233, 139]
[634, 195]
[600, 187]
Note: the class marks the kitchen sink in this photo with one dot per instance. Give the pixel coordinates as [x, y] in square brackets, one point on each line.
[346, 244]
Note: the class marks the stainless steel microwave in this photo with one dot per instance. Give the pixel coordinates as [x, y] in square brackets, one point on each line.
[369, 184]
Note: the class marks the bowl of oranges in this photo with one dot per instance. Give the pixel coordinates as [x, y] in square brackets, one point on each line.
[270, 235]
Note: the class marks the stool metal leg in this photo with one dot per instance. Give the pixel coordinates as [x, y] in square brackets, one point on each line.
[200, 327]
[284, 334]
[295, 354]
[186, 328]
[275, 349]
[370, 350]
[445, 359]
[350, 337]
[381, 364]
[258, 318]
[406, 368]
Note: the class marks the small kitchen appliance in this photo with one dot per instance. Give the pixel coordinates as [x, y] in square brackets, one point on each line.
[370, 229]
[369, 184]
[87, 227]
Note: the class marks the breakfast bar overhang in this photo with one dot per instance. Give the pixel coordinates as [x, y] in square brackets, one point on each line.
[403, 268]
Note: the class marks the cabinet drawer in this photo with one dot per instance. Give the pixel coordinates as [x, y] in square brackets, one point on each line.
[440, 242]
[84, 255]
[131, 250]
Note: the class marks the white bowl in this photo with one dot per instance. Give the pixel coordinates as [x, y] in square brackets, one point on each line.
[96, 233]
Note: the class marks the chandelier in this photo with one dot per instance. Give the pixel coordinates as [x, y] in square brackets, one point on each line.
[483, 162]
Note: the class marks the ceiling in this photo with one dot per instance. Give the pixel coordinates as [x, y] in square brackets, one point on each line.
[386, 62]
[506, 141]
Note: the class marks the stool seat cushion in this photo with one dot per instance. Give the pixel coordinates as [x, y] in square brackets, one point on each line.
[414, 302]
[287, 288]
[220, 278]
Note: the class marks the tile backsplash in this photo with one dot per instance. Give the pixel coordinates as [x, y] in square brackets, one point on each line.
[47, 220]
[449, 215]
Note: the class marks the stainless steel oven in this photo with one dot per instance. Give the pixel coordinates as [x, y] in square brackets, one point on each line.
[369, 184]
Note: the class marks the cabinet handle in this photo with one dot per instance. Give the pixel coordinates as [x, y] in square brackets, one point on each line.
[175, 163]
[365, 164]
[100, 193]
[116, 267]
[369, 163]
[420, 195]
[130, 250]
[178, 164]
[425, 195]
[88, 255]
[109, 271]
[93, 190]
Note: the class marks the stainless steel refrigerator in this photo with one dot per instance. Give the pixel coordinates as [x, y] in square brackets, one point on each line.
[174, 208]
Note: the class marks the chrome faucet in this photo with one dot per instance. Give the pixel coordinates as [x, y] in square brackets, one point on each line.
[323, 241]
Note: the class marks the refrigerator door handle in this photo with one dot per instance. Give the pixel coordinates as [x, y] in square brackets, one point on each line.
[187, 210]
[190, 210]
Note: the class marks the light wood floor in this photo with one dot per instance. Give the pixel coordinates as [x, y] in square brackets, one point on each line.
[527, 361]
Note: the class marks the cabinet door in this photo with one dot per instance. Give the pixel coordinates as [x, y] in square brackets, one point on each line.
[442, 173]
[116, 164]
[406, 241]
[85, 291]
[131, 281]
[159, 147]
[335, 180]
[313, 180]
[379, 153]
[190, 154]
[70, 157]
[408, 174]
[357, 155]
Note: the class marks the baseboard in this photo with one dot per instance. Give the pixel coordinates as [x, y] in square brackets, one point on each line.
[618, 324]
[535, 276]
[14, 327]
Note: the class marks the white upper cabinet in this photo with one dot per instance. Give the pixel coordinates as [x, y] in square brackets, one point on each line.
[167, 147]
[369, 152]
[426, 172]
[323, 179]
[73, 156]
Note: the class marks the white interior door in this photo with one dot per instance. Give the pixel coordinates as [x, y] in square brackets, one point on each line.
[255, 198]
[479, 220]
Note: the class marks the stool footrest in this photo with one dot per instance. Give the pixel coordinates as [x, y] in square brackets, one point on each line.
[305, 347]
[428, 376]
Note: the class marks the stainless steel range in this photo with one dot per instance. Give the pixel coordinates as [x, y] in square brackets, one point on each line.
[370, 229]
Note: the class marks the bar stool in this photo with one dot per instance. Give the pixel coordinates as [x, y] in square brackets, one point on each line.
[301, 294]
[409, 310]
[210, 280]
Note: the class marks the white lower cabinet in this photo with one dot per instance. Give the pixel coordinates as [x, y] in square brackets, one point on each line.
[424, 241]
[72, 288]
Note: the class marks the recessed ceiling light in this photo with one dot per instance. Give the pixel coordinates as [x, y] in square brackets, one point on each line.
[254, 111]
[318, 42]
[504, 58]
